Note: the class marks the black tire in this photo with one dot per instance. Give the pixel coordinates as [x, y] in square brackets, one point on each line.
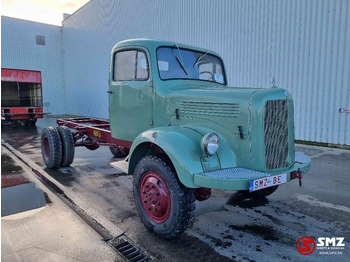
[6, 122]
[262, 193]
[51, 147]
[92, 147]
[118, 152]
[175, 217]
[68, 148]
[30, 122]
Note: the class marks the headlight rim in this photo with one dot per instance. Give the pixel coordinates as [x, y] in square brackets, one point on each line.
[209, 137]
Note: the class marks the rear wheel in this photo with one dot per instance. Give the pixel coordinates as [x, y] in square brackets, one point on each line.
[260, 193]
[30, 122]
[118, 151]
[68, 148]
[92, 147]
[164, 205]
[51, 147]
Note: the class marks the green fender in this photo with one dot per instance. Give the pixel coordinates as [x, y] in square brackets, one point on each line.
[182, 145]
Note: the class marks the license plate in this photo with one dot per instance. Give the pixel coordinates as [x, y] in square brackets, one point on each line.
[265, 182]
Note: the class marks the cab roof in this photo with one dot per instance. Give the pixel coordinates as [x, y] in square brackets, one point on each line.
[154, 44]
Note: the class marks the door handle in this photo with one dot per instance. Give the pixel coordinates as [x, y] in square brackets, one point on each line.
[109, 92]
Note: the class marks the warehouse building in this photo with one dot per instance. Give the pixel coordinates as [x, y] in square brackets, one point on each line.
[302, 46]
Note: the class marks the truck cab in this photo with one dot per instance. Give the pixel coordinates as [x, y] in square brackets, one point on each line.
[191, 132]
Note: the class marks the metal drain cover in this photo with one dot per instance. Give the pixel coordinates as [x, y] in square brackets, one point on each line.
[128, 249]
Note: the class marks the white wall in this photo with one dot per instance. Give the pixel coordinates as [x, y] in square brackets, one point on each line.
[304, 45]
[20, 51]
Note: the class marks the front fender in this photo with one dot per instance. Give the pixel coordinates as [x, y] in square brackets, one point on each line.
[182, 146]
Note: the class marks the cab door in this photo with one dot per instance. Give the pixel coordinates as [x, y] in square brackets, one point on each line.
[130, 93]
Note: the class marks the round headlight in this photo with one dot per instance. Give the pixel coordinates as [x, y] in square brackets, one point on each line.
[210, 143]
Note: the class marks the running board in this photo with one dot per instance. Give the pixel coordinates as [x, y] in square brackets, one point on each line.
[121, 165]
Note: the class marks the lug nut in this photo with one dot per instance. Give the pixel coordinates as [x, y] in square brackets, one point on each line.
[155, 209]
[152, 186]
[157, 194]
[149, 208]
[147, 186]
[158, 203]
[144, 192]
[145, 201]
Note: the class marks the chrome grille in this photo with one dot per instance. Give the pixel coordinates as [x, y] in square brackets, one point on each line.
[276, 134]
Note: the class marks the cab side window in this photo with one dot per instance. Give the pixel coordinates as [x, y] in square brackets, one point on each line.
[130, 65]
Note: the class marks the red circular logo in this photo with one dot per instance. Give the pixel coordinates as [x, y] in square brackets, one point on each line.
[306, 245]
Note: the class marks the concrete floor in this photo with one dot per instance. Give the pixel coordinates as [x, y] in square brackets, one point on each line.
[228, 226]
[50, 233]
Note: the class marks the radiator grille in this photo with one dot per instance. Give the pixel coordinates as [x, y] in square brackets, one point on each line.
[276, 134]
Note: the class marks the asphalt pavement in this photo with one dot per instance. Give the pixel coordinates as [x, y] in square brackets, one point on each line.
[229, 226]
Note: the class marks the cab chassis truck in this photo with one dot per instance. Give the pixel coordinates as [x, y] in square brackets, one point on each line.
[183, 132]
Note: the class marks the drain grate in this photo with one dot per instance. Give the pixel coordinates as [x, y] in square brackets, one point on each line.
[128, 250]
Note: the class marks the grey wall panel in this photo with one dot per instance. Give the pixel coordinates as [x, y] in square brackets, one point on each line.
[20, 51]
[303, 44]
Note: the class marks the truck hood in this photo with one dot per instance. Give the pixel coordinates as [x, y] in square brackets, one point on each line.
[216, 107]
[237, 115]
[214, 93]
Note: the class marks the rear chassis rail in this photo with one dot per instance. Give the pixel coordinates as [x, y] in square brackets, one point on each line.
[92, 132]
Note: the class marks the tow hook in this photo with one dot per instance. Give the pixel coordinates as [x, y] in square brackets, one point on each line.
[297, 174]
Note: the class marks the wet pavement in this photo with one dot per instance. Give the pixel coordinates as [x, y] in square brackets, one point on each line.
[229, 226]
[52, 232]
[18, 194]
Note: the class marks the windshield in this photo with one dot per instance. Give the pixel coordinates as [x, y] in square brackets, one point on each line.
[178, 63]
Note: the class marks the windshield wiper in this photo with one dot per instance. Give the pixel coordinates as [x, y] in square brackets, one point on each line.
[199, 59]
[180, 61]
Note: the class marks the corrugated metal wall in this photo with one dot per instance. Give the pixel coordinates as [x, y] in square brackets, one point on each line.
[20, 51]
[303, 44]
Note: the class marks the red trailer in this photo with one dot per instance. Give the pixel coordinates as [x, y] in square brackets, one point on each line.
[21, 96]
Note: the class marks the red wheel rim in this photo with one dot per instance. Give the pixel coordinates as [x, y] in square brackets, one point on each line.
[46, 148]
[155, 197]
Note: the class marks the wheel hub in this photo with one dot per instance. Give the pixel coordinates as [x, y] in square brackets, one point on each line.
[155, 197]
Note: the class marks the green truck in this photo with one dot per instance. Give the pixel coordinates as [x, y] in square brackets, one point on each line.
[184, 131]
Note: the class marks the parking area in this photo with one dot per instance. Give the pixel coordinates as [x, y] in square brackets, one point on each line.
[229, 226]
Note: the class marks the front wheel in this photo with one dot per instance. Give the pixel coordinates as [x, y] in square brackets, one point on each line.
[164, 205]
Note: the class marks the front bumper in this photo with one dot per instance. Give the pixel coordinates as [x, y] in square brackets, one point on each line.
[238, 178]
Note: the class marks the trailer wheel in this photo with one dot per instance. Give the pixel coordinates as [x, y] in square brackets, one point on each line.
[30, 122]
[51, 147]
[164, 205]
[118, 151]
[262, 193]
[92, 147]
[68, 148]
[6, 122]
